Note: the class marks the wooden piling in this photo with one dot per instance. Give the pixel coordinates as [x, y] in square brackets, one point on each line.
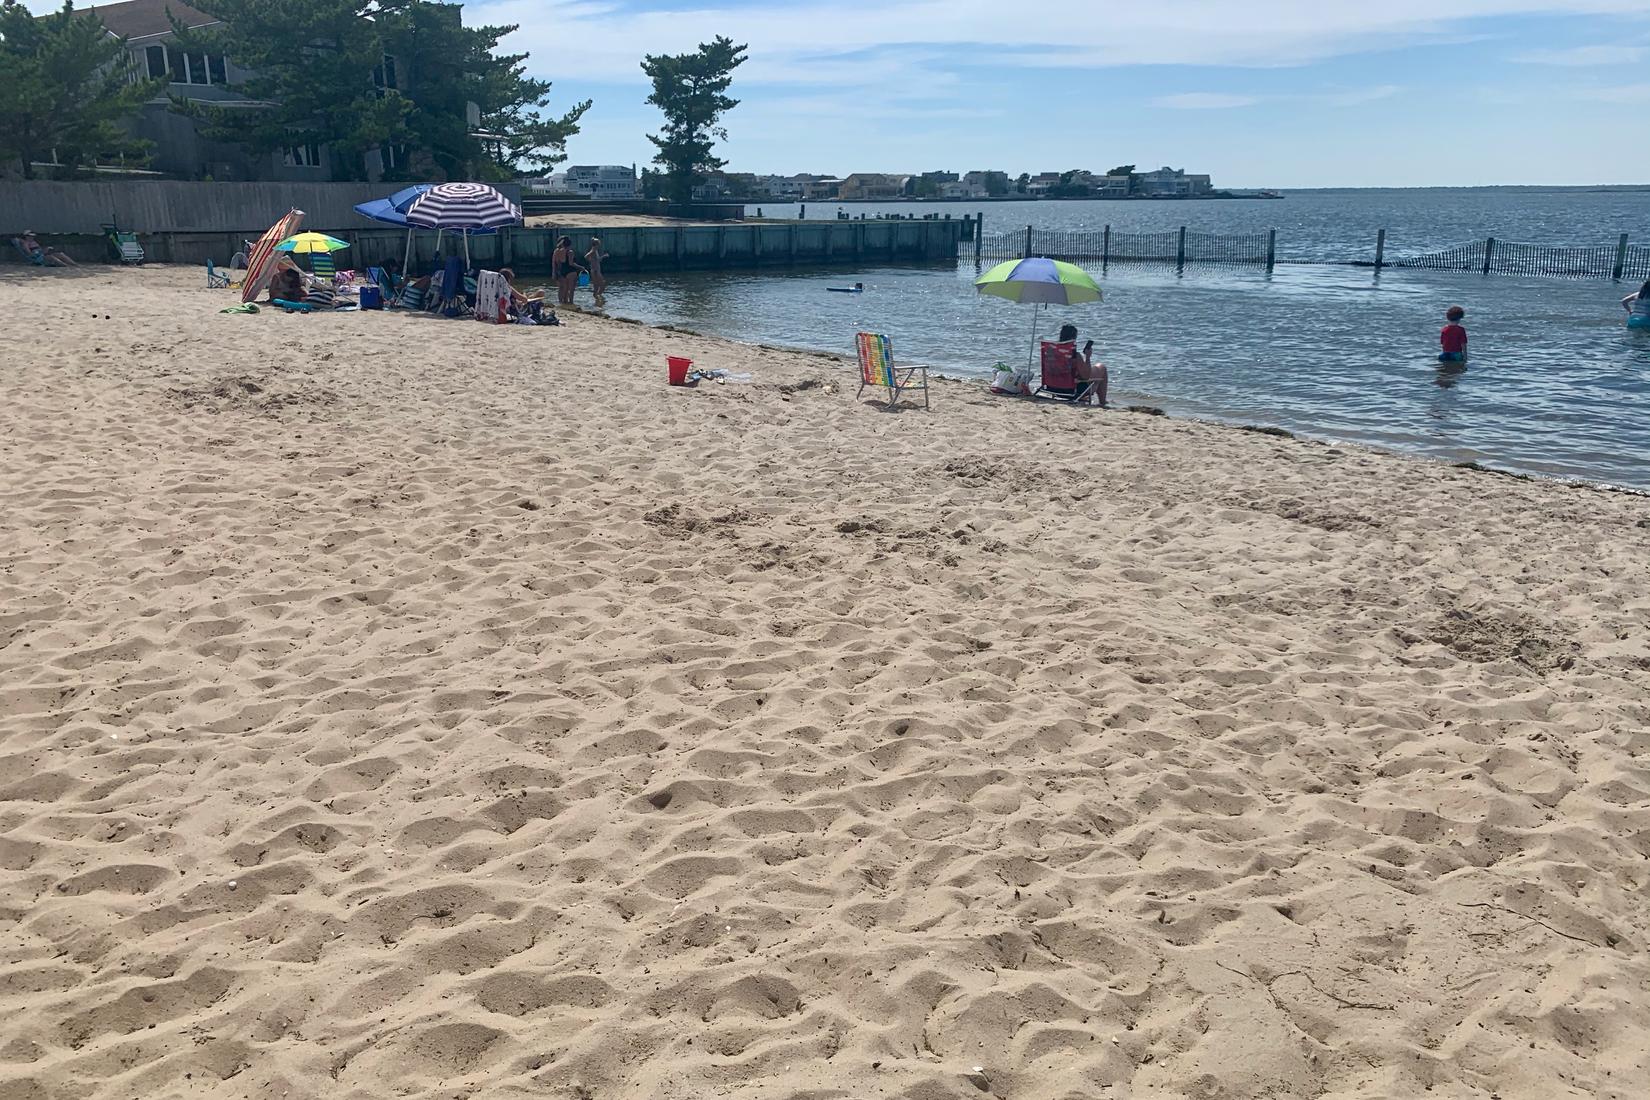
[1271, 249]
[979, 236]
[1621, 258]
[1180, 253]
[1489, 254]
[1026, 254]
[1105, 251]
[1380, 249]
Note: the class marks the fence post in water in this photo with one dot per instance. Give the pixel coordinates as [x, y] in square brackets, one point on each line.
[1025, 253]
[1489, 254]
[979, 236]
[1271, 250]
[1621, 258]
[1180, 253]
[1380, 249]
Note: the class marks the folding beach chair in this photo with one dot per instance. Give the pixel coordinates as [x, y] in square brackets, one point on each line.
[382, 278]
[38, 259]
[322, 266]
[215, 279]
[1060, 381]
[127, 249]
[451, 301]
[876, 368]
[411, 297]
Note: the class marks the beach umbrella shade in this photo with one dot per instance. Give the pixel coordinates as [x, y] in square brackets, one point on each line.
[393, 211]
[311, 242]
[462, 206]
[465, 207]
[1041, 282]
[260, 262]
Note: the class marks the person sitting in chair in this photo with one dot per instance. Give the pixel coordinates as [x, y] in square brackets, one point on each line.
[287, 284]
[40, 254]
[520, 304]
[1083, 364]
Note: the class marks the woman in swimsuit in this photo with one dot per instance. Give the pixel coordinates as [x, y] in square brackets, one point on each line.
[564, 269]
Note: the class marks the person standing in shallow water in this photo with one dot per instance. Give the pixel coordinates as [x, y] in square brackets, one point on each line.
[593, 261]
[1452, 338]
[564, 269]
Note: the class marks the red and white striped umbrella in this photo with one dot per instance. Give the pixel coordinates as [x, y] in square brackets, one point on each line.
[260, 262]
[462, 206]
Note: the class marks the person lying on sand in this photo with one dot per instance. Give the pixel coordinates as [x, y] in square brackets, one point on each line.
[287, 283]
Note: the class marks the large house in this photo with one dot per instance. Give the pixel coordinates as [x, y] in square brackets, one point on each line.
[871, 185]
[598, 181]
[1172, 182]
[179, 149]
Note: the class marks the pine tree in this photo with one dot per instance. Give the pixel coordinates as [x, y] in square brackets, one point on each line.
[66, 86]
[375, 73]
[690, 89]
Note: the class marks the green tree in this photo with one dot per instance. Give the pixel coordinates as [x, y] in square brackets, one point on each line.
[996, 183]
[376, 73]
[1126, 170]
[1022, 183]
[690, 90]
[66, 87]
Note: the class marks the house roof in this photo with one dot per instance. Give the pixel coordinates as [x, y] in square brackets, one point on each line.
[143, 18]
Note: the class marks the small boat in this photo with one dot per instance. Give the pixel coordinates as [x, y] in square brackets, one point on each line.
[857, 288]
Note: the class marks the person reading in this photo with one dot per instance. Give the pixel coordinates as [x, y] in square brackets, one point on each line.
[1082, 362]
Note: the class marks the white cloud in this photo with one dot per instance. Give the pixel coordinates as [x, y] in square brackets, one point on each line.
[1585, 56]
[803, 42]
[1362, 95]
[1622, 93]
[1205, 101]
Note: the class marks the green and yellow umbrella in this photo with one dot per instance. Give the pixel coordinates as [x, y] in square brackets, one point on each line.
[1041, 282]
[311, 242]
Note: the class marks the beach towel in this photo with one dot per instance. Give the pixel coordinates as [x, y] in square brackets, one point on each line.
[244, 307]
[492, 297]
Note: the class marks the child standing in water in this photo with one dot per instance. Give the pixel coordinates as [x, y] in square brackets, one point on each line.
[1453, 338]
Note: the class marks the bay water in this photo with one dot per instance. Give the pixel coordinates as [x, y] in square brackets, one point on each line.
[1556, 385]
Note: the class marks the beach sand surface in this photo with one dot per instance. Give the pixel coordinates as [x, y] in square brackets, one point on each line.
[398, 707]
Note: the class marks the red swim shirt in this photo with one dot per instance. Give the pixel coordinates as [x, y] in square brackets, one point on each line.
[1453, 338]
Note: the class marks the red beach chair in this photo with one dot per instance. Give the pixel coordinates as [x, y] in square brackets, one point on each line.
[1060, 381]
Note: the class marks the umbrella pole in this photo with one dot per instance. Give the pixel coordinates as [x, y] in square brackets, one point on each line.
[406, 260]
[1031, 353]
[466, 233]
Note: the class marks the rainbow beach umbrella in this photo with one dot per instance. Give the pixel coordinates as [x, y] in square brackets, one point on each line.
[1042, 282]
[311, 242]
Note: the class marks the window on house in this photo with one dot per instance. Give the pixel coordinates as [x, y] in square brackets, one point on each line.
[216, 67]
[302, 156]
[179, 68]
[393, 156]
[384, 77]
[155, 57]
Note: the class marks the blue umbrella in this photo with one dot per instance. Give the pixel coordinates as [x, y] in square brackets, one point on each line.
[393, 209]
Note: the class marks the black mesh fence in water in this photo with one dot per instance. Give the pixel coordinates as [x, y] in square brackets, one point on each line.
[1181, 248]
[1493, 257]
[1173, 248]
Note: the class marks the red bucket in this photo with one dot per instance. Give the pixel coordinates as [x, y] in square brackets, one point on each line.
[678, 369]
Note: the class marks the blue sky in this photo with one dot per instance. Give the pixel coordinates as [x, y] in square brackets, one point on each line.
[1284, 93]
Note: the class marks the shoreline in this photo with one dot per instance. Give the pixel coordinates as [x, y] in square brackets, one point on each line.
[399, 705]
[1141, 407]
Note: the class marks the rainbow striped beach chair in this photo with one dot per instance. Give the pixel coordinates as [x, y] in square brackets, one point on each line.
[876, 368]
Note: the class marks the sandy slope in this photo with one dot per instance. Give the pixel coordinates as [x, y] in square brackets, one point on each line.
[385, 710]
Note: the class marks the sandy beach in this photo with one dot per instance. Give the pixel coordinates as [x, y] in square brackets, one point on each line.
[392, 706]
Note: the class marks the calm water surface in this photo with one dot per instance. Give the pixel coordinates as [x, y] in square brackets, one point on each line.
[1556, 384]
